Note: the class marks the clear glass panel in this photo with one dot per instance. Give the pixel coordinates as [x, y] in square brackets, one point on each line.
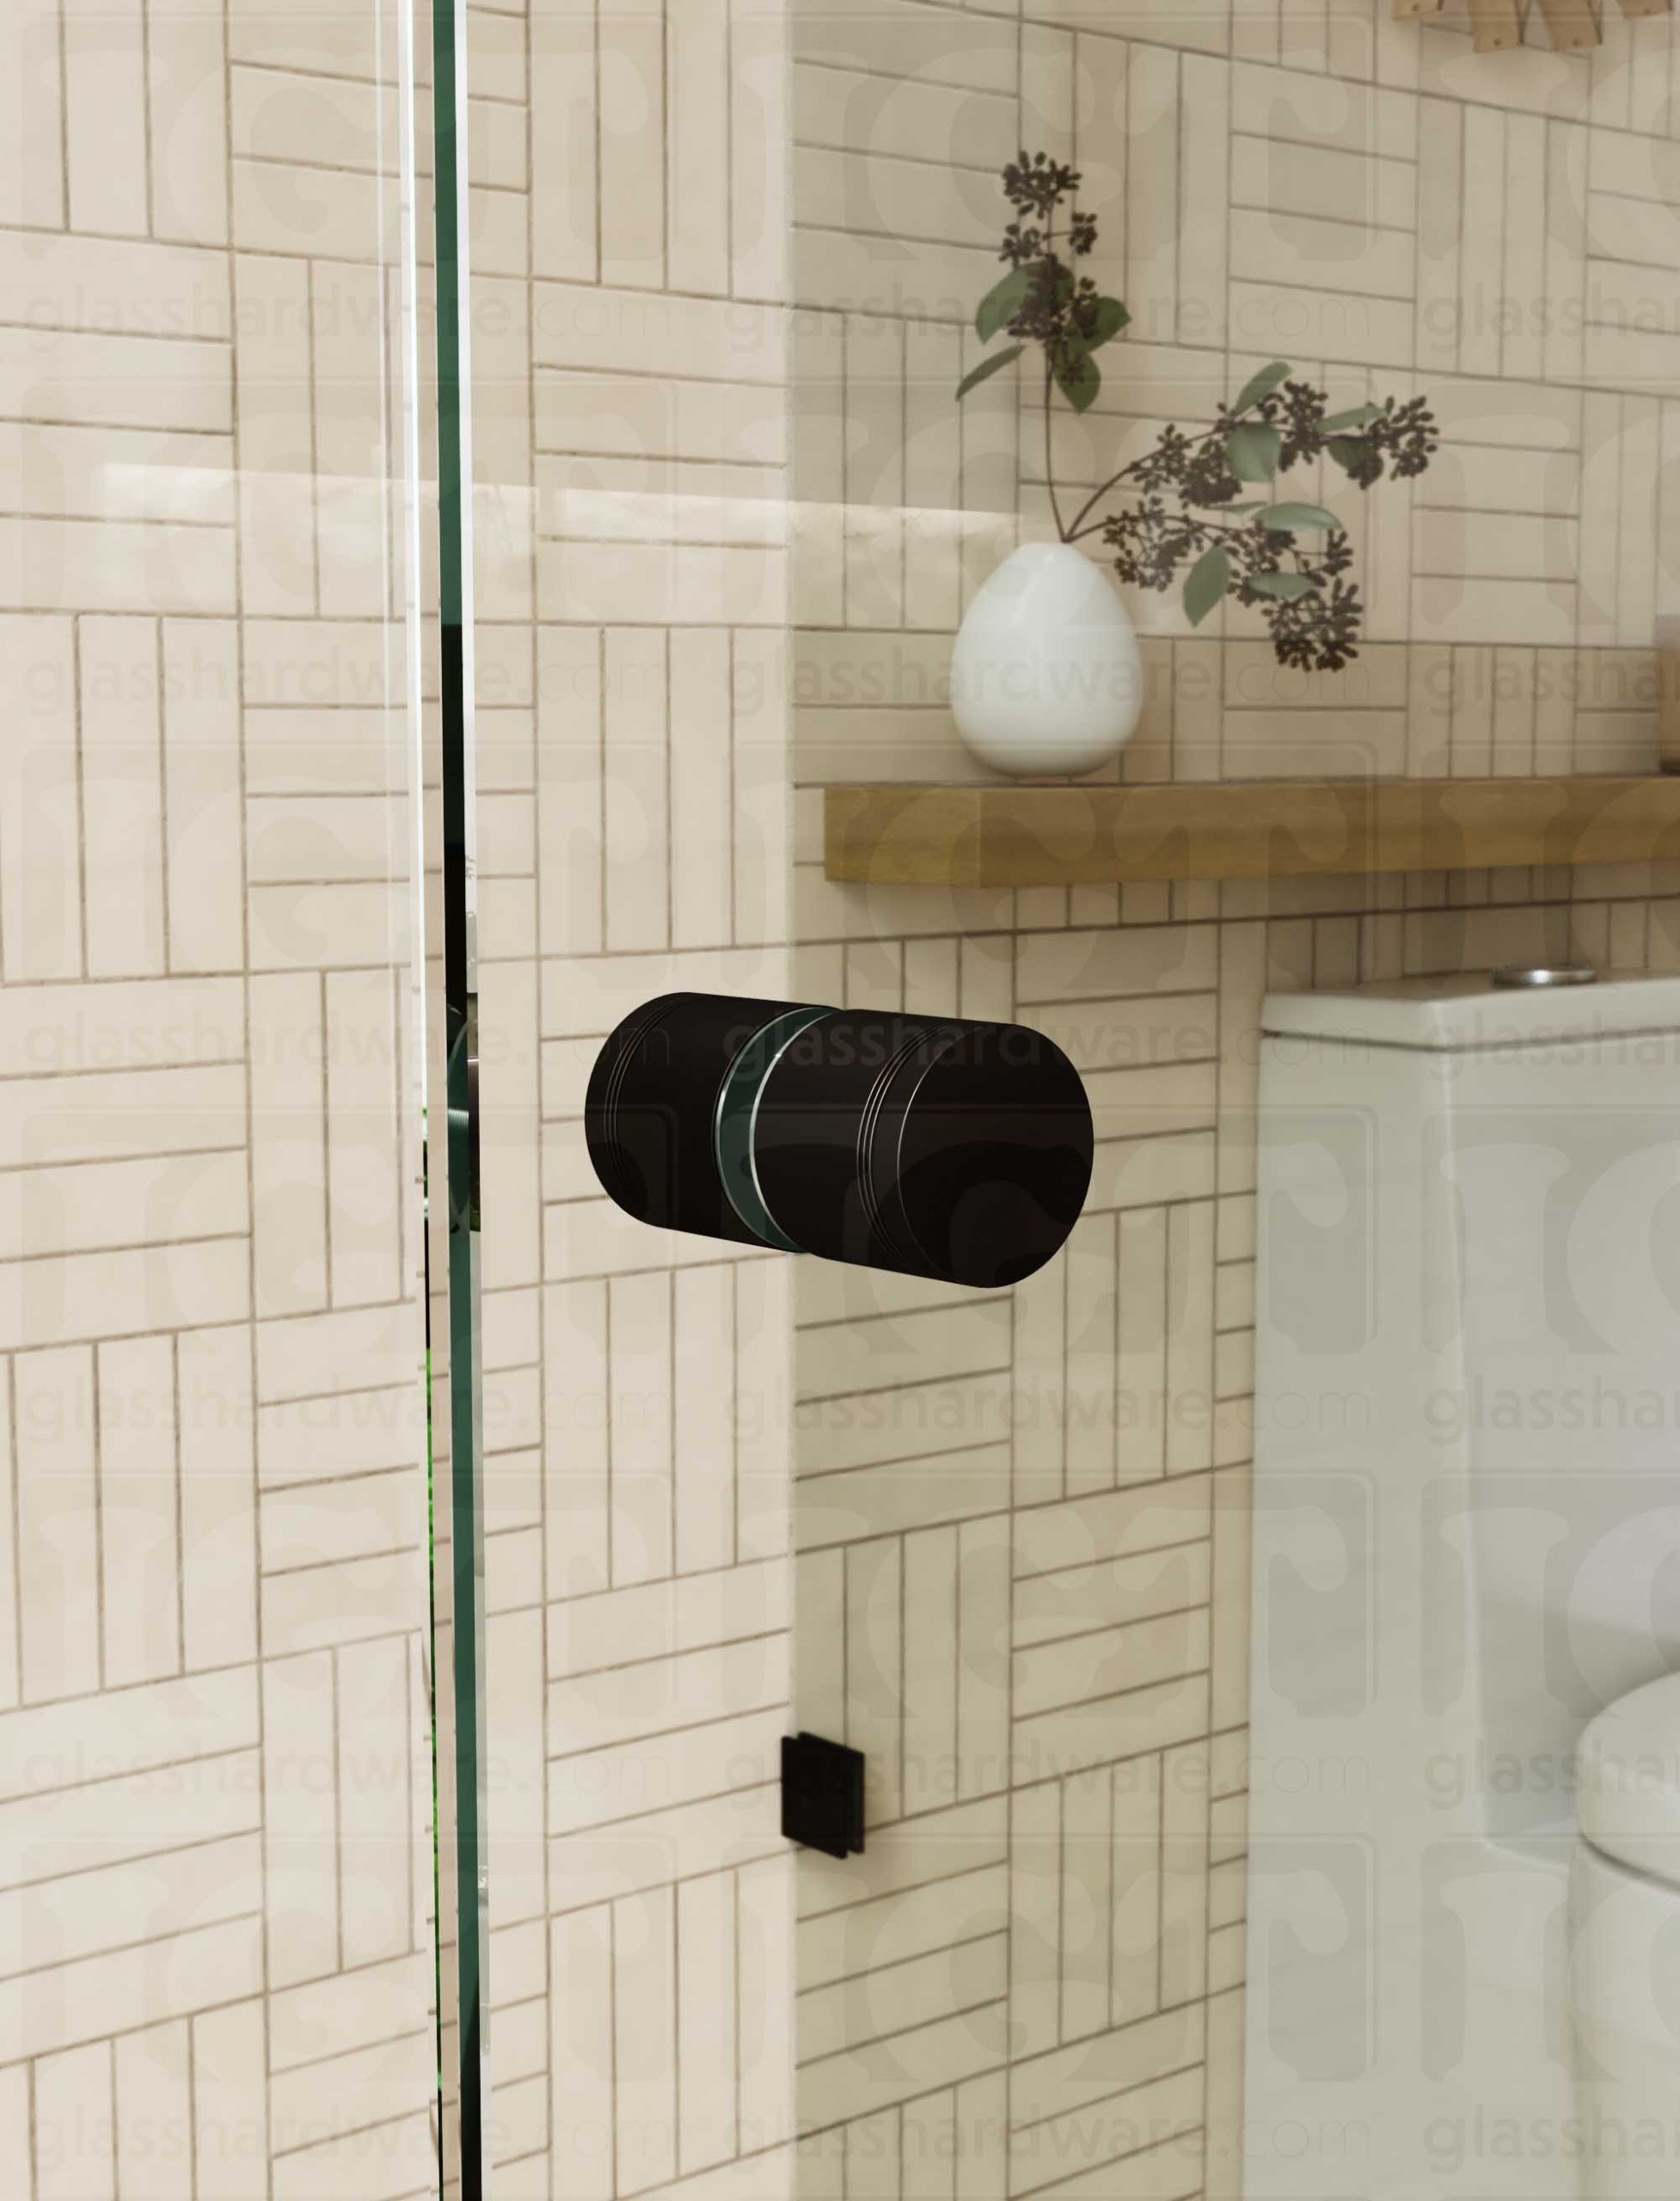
[217, 1860]
[741, 539]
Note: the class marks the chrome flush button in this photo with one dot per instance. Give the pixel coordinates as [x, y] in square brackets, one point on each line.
[1545, 974]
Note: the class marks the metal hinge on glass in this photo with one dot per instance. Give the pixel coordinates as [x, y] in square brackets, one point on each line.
[936, 1146]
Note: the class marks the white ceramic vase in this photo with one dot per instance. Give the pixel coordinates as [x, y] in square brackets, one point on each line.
[1045, 678]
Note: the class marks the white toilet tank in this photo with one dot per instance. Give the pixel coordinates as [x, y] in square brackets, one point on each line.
[1467, 1524]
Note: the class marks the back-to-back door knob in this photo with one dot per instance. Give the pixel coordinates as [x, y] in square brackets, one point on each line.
[936, 1146]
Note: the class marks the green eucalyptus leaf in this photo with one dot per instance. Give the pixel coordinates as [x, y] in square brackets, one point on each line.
[1253, 450]
[1286, 519]
[1079, 377]
[1206, 586]
[1262, 385]
[1110, 319]
[1361, 416]
[1289, 588]
[1002, 303]
[1348, 452]
[988, 368]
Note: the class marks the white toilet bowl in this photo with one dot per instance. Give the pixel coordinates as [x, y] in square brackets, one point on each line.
[1465, 1529]
[1624, 1928]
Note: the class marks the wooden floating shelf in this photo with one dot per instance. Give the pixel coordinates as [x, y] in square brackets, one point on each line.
[885, 835]
[1576, 25]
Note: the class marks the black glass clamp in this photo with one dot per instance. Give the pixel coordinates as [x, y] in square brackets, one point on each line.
[936, 1146]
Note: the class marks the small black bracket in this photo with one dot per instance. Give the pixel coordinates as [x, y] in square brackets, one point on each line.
[822, 1795]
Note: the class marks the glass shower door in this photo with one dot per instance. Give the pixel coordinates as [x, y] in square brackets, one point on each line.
[722, 267]
[217, 1975]
[919, 457]
[628, 570]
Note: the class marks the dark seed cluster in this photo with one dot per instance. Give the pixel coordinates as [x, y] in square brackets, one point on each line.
[1289, 561]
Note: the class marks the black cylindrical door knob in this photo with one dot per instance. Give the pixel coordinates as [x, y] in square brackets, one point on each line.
[937, 1147]
[649, 1113]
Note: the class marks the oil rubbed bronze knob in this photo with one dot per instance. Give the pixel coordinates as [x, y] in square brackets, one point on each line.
[936, 1146]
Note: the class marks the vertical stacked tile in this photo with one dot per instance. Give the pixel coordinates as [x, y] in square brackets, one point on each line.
[315, 143]
[904, 503]
[630, 332]
[214, 1852]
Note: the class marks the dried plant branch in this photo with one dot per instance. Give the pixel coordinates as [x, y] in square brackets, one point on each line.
[1315, 615]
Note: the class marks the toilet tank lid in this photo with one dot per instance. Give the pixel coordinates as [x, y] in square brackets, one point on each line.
[1628, 1779]
[1453, 1014]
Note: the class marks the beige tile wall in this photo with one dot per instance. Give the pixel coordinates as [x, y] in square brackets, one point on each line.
[215, 1876]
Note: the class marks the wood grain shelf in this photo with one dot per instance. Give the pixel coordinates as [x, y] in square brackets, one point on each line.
[887, 835]
[1576, 25]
